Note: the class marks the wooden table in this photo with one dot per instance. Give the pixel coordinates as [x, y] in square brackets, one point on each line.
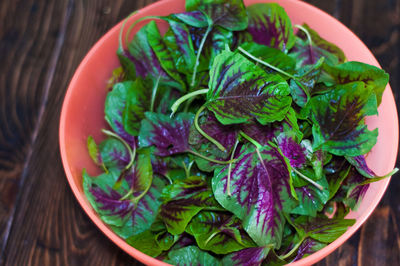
[41, 44]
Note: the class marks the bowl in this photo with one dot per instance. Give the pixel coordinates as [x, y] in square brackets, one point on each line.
[83, 114]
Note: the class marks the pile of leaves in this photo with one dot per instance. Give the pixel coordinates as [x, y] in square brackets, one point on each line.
[232, 140]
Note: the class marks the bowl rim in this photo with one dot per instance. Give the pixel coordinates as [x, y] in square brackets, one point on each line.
[313, 258]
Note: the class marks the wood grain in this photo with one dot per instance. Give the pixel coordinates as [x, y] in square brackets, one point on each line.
[41, 44]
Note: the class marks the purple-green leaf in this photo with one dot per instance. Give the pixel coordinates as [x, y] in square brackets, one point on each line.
[229, 14]
[271, 26]
[247, 257]
[145, 59]
[373, 77]
[218, 232]
[225, 135]
[114, 108]
[183, 200]
[163, 54]
[338, 120]
[168, 135]
[260, 193]
[240, 91]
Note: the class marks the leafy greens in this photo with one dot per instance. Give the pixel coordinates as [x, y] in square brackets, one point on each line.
[231, 137]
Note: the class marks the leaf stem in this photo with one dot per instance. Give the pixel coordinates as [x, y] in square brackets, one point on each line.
[208, 158]
[132, 153]
[211, 139]
[203, 41]
[211, 237]
[251, 140]
[228, 182]
[308, 179]
[185, 97]
[128, 32]
[290, 253]
[306, 32]
[122, 30]
[154, 93]
[265, 63]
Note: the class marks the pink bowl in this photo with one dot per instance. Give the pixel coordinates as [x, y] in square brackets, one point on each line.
[82, 113]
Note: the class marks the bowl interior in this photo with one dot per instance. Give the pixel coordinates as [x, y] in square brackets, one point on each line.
[83, 112]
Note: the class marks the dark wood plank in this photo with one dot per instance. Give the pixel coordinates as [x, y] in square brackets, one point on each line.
[29, 48]
[48, 227]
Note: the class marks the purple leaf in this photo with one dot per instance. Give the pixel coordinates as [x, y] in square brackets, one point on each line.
[270, 25]
[308, 247]
[309, 54]
[146, 61]
[168, 135]
[353, 190]
[293, 151]
[260, 192]
[361, 165]
[114, 107]
[247, 257]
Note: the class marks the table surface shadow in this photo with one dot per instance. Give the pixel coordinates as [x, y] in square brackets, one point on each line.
[41, 45]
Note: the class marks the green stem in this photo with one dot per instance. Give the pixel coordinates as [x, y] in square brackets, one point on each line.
[308, 179]
[132, 154]
[122, 30]
[306, 32]
[211, 139]
[211, 237]
[135, 23]
[178, 102]
[127, 195]
[228, 182]
[290, 253]
[154, 93]
[209, 159]
[265, 63]
[252, 141]
[203, 41]
[136, 200]
[187, 171]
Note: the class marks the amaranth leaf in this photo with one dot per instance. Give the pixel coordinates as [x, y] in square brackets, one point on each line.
[240, 91]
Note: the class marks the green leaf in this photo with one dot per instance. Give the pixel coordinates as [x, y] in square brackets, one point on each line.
[272, 56]
[373, 77]
[93, 150]
[163, 53]
[191, 255]
[305, 80]
[146, 243]
[338, 120]
[241, 91]
[127, 64]
[137, 103]
[311, 198]
[146, 60]
[183, 200]
[229, 14]
[218, 232]
[113, 153]
[118, 75]
[114, 108]
[270, 25]
[180, 44]
[323, 229]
